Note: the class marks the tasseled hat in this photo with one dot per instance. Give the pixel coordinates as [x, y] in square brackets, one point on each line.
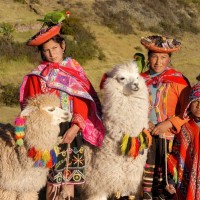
[194, 95]
[161, 44]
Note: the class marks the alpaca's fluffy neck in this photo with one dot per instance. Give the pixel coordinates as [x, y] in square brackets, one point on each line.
[125, 114]
[43, 138]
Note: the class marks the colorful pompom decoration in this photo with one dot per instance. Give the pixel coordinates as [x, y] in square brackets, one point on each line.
[19, 130]
[133, 146]
[44, 158]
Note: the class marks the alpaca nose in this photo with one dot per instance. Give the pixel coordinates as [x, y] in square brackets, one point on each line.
[136, 86]
[69, 116]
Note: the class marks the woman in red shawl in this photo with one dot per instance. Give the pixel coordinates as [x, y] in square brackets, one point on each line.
[184, 161]
[167, 89]
[66, 79]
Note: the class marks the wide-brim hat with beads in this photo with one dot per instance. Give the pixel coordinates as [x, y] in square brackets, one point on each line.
[194, 96]
[160, 44]
[44, 35]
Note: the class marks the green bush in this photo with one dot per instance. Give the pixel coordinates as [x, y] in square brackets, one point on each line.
[14, 50]
[82, 46]
[6, 29]
[20, 1]
[118, 21]
[9, 94]
[122, 15]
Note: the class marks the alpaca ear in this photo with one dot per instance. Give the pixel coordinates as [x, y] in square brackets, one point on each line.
[26, 112]
[109, 74]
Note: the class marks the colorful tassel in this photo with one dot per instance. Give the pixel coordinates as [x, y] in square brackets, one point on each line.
[170, 145]
[132, 151]
[20, 142]
[32, 152]
[53, 156]
[124, 144]
[19, 130]
[175, 176]
[128, 146]
[172, 166]
[38, 155]
[44, 158]
[148, 136]
[132, 146]
[142, 144]
[49, 164]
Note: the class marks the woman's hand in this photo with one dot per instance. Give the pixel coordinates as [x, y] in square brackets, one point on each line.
[151, 126]
[70, 134]
[162, 128]
[170, 188]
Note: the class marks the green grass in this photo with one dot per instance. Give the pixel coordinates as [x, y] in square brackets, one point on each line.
[116, 47]
[8, 114]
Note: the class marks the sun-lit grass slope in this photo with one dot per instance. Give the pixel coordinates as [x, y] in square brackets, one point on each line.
[116, 47]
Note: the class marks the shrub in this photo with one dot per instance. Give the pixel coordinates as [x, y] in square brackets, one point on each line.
[188, 25]
[9, 94]
[117, 21]
[83, 45]
[34, 1]
[6, 29]
[15, 50]
[168, 28]
[163, 16]
[20, 1]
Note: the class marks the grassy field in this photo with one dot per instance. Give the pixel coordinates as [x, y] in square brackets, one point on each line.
[116, 47]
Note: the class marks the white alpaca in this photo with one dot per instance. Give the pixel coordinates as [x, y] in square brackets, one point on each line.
[19, 179]
[125, 110]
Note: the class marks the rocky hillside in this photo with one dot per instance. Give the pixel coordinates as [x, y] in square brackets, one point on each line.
[156, 15]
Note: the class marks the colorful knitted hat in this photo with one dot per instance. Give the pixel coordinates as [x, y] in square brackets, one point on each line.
[44, 35]
[161, 44]
[194, 95]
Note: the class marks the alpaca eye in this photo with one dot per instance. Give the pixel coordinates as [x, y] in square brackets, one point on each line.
[51, 109]
[121, 78]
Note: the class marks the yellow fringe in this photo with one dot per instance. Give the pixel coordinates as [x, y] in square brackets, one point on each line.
[143, 145]
[124, 143]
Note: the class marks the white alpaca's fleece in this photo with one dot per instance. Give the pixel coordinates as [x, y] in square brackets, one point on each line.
[125, 110]
[19, 179]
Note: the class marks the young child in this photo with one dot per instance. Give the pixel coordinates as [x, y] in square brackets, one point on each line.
[184, 162]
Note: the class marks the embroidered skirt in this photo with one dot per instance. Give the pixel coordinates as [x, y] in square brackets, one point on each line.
[70, 166]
